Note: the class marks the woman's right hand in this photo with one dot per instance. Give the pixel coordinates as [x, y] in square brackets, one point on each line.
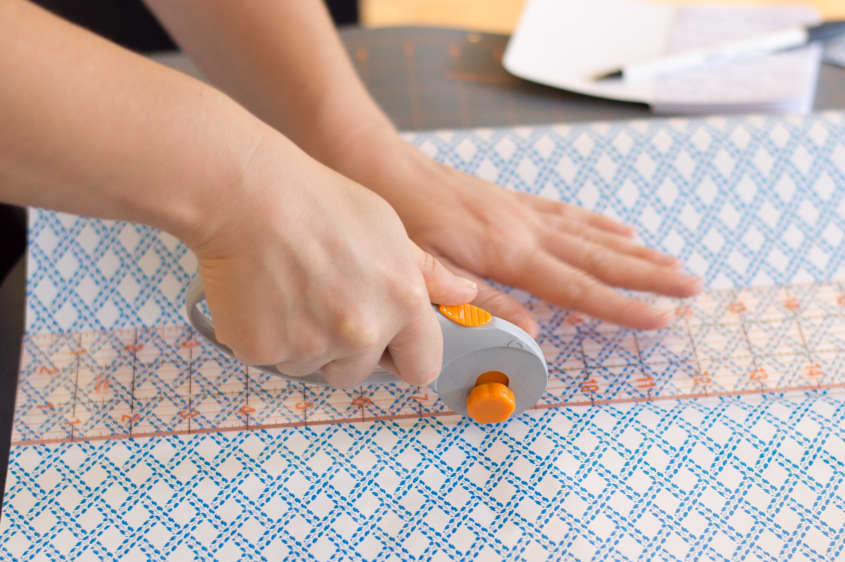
[307, 270]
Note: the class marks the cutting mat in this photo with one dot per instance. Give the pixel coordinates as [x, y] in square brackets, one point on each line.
[612, 473]
[428, 78]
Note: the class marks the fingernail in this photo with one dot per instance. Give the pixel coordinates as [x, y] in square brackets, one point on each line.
[469, 284]
[696, 285]
[666, 312]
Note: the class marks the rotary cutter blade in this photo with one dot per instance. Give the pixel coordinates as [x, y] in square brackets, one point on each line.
[492, 370]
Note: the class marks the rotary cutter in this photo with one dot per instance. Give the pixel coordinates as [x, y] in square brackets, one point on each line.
[492, 370]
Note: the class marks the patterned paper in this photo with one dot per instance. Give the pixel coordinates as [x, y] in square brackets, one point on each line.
[747, 202]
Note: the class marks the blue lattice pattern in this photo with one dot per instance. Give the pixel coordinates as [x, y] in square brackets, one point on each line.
[746, 202]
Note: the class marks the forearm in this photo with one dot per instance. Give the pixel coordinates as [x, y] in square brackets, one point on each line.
[93, 129]
[284, 61]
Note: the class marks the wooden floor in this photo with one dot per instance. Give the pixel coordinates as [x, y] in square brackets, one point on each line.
[501, 15]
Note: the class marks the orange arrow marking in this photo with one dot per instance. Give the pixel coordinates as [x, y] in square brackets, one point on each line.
[589, 386]
[102, 385]
[701, 378]
[645, 382]
[759, 375]
[738, 307]
[814, 370]
[574, 319]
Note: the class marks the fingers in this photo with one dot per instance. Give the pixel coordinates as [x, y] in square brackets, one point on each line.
[386, 363]
[444, 287]
[574, 212]
[497, 302]
[301, 367]
[352, 370]
[621, 270]
[621, 244]
[566, 286]
[417, 350]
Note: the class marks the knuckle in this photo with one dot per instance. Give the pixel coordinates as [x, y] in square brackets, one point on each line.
[356, 330]
[579, 229]
[429, 263]
[293, 369]
[499, 301]
[411, 296]
[511, 255]
[576, 290]
[251, 344]
[308, 346]
[596, 261]
[342, 376]
[565, 210]
[421, 375]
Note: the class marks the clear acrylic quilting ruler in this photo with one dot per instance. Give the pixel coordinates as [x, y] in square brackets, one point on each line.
[159, 381]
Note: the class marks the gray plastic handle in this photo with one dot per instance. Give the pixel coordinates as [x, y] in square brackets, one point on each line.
[467, 353]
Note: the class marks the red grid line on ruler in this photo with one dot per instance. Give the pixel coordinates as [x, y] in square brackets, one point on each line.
[165, 381]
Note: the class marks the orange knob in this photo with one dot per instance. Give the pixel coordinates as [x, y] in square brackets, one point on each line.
[466, 315]
[490, 402]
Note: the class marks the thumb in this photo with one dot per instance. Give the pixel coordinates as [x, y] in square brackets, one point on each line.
[444, 287]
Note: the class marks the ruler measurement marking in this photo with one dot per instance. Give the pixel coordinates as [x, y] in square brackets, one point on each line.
[304, 404]
[190, 373]
[246, 384]
[75, 390]
[803, 339]
[755, 368]
[588, 385]
[132, 383]
[647, 378]
[692, 347]
[361, 401]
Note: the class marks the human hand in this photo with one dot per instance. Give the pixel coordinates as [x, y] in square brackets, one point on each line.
[564, 254]
[307, 270]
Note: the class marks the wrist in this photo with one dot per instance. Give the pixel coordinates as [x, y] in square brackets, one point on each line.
[212, 184]
[340, 128]
[384, 162]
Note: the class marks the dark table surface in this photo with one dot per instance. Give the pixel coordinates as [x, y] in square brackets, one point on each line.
[424, 78]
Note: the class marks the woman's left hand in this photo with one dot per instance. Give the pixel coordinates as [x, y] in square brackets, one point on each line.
[562, 253]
